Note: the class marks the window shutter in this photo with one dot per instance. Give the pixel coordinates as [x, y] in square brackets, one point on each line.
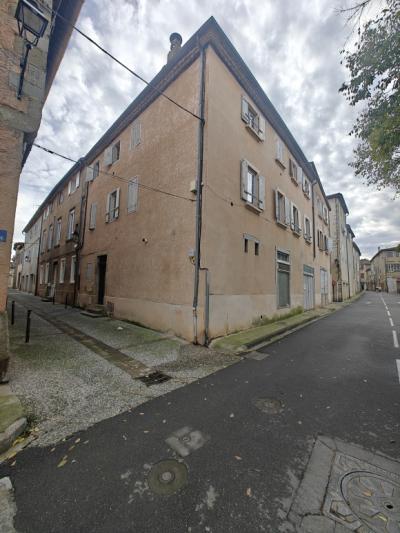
[287, 212]
[292, 206]
[290, 168]
[300, 176]
[245, 110]
[276, 205]
[116, 215]
[108, 207]
[133, 187]
[108, 156]
[93, 210]
[77, 180]
[305, 227]
[243, 179]
[261, 128]
[330, 244]
[261, 192]
[89, 174]
[299, 216]
[69, 189]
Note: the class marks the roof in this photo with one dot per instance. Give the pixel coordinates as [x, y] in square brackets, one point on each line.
[209, 34]
[316, 177]
[350, 230]
[339, 196]
[392, 249]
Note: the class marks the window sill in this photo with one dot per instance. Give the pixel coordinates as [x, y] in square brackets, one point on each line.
[308, 240]
[296, 233]
[282, 165]
[281, 224]
[295, 181]
[254, 208]
[254, 132]
[307, 195]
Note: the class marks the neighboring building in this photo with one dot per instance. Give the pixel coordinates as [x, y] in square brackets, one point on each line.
[11, 275]
[366, 279]
[18, 261]
[197, 230]
[345, 257]
[20, 117]
[31, 250]
[385, 266]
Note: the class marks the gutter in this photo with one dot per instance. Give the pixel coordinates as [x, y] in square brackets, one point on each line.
[199, 196]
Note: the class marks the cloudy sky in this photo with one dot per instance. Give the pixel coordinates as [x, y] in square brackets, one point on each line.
[291, 46]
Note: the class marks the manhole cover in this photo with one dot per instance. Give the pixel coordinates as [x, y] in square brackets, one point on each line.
[374, 499]
[155, 378]
[271, 406]
[167, 477]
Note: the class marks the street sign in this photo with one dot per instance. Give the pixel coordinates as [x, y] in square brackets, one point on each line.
[3, 235]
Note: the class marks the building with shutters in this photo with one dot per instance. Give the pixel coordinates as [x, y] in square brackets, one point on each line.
[199, 221]
[385, 267]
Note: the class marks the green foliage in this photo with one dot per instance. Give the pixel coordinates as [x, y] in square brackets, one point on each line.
[375, 82]
[277, 318]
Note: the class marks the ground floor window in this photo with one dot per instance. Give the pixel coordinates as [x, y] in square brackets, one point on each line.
[72, 271]
[283, 278]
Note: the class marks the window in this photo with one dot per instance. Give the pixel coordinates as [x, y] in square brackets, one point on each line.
[63, 263]
[77, 180]
[280, 152]
[96, 169]
[320, 240]
[253, 119]
[115, 151]
[319, 207]
[326, 243]
[41, 272]
[60, 197]
[246, 245]
[72, 271]
[133, 189]
[252, 186]
[249, 238]
[43, 247]
[293, 171]
[295, 220]
[256, 248]
[71, 224]
[50, 239]
[112, 208]
[58, 232]
[307, 229]
[282, 209]
[325, 213]
[136, 134]
[392, 267]
[46, 273]
[283, 278]
[69, 187]
[92, 217]
[306, 186]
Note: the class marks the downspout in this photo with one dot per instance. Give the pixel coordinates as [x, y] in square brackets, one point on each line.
[199, 195]
[313, 217]
[348, 271]
[82, 224]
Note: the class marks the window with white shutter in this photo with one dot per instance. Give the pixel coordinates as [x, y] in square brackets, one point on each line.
[71, 224]
[306, 186]
[62, 269]
[253, 119]
[307, 229]
[252, 186]
[116, 149]
[72, 272]
[89, 174]
[133, 189]
[108, 156]
[295, 221]
[112, 205]
[92, 217]
[279, 156]
[280, 208]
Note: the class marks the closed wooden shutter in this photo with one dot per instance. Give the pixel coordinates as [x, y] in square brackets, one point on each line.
[243, 179]
[261, 192]
[245, 110]
[133, 187]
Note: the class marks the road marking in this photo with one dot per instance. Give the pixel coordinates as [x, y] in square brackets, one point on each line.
[398, 367]
[391, 322]
[395, 339]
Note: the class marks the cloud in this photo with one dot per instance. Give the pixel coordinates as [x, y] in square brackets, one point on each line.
[292, 48]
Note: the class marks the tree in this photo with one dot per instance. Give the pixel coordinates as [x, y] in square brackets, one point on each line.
[374, 68]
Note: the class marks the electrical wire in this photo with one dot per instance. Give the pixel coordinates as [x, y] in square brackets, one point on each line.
[113, 175]
[102, 49]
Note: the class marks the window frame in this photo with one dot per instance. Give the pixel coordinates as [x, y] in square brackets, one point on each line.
[116, 152]
[72, 272]
[63, 266]
[285, 268]
[70, 231]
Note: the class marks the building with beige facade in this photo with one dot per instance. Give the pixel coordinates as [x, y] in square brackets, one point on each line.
[198, 218]
[345, 256]
[22, 95]
[385, 267]
[366, 279]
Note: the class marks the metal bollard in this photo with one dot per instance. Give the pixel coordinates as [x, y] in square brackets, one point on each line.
[66, 301]
[28, 325]
[12, 312]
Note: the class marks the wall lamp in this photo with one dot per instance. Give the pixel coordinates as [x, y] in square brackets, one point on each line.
[31, 26]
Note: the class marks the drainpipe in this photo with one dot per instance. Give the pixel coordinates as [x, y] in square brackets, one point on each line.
[313, 216]
[38, 256]
[199, 196]
[348, 271]
[82, 223]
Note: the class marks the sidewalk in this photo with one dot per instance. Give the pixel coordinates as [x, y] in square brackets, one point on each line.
[243, 341]
[77, 370]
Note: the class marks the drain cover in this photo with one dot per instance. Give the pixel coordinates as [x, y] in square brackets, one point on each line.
[155, 378]
[167, 477]
[373, 499]
[186, 440]
[270, 406]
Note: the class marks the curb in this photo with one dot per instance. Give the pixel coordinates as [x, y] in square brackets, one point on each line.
[11, 433]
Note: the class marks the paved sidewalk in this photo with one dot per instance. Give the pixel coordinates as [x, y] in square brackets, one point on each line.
[77, 370]
[243, 341]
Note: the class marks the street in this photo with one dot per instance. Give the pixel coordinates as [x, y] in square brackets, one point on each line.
[245, 435]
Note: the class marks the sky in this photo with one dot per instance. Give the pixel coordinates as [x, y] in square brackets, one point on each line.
[291, 46]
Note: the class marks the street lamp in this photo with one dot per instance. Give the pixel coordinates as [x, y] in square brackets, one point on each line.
[31, 25]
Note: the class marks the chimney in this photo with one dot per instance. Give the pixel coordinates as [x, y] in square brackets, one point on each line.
[176, 40]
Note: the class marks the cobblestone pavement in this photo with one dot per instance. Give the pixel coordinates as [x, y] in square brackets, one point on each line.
[77, 370]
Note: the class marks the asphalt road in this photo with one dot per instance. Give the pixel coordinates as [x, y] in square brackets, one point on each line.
[336, 377]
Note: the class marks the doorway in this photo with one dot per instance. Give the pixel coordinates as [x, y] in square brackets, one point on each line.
[308, 281]
[54, 279]
[101, 269]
